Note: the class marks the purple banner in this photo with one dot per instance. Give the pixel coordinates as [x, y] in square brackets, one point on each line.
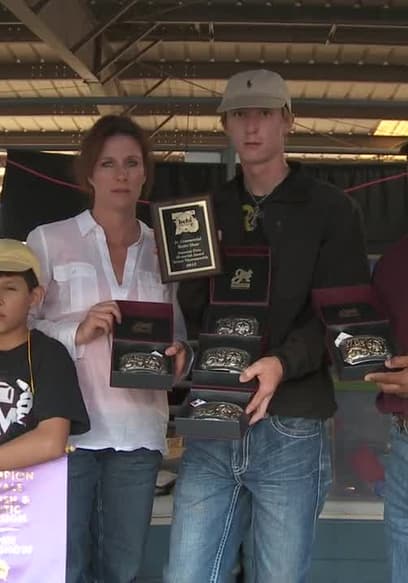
[33, 525]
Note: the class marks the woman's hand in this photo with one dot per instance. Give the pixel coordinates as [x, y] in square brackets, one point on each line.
[182, 355]
[98, 322]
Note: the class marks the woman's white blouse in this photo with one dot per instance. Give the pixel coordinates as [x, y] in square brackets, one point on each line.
[77, 273]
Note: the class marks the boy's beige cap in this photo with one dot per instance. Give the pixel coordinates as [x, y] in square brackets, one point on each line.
[18, 257]
[258, 89]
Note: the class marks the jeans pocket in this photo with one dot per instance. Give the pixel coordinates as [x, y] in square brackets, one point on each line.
[297, 427]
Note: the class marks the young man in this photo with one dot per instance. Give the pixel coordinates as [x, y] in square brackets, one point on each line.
[279, 473]
[391, 282]
[40, 400]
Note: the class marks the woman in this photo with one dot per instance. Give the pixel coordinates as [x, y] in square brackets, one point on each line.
[89, 261]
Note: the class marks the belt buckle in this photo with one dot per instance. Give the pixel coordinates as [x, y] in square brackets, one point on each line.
[237, 325]
[225, 359]
[143, 362]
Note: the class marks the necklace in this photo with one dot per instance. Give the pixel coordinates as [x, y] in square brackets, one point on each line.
[258, 211]
[259, 200]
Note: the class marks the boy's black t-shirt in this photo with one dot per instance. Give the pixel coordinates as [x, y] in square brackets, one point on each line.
[56, 389]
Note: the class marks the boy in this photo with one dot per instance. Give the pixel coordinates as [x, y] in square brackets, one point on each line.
[40, 399]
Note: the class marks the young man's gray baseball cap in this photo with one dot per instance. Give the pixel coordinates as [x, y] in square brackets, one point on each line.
[257, 89]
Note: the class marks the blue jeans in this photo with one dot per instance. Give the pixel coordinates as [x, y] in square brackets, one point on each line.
[396, 506]
[268, 488]
[110, 497]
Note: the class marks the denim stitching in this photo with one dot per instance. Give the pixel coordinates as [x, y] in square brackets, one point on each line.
[244, 446]
[216, 568]
[318, 492]
[280, 428]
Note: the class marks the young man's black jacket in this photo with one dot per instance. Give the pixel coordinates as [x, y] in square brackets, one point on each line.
[316, 238]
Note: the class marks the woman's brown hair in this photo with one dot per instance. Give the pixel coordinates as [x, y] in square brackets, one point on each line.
[92, 145]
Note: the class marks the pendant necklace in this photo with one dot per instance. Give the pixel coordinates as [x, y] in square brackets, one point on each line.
[258, 211]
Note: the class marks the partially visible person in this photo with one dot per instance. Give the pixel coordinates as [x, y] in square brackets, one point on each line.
[390, 280]
[40, 399]
[89, 261]
[279, 473]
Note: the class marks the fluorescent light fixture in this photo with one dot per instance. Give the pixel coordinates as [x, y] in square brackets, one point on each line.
[392, 127]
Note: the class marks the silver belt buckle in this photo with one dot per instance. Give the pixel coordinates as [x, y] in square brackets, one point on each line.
[237, 325]
[147, 362]
[225, 359]
[217, 411]
[364, 348]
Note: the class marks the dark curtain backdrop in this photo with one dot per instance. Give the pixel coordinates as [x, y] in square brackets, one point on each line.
[29, 200]
[384, 205]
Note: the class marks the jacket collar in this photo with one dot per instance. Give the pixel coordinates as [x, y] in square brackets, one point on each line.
[295, 188]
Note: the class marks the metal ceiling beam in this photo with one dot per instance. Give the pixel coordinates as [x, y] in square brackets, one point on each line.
[258, 14]
[266, 32]
[262, 33]
[166, 105]
[199, 141]
[367, 73]
[127, 47]
[61, 33]
[102, 27]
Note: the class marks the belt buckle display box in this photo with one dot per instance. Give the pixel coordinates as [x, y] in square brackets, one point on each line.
[213, 414]
[359, 336]
[138, 360]
[234, 330]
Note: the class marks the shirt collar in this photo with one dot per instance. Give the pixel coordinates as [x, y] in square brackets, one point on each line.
[86, 222]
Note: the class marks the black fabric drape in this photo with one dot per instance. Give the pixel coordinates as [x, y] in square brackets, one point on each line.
[384, 205]
[29, 200]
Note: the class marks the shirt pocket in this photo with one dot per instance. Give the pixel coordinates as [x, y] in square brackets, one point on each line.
[77, 286]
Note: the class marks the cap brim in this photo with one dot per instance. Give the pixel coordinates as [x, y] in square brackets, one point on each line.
[253, 102]
[13, 266]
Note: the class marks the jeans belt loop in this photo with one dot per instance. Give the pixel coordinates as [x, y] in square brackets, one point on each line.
[401, 421]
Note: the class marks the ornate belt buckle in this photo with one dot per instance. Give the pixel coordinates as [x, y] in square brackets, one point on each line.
[364, 349]
[217, 411]
[237, 325]
[148, 362]
[225, 359]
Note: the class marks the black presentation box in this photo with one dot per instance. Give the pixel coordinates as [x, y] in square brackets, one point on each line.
[352, 311]
[187, 426]
[216, 379]
[146, 327]
[239, 301]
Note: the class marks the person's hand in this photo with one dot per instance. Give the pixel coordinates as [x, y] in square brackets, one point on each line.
[99, 321]
[269, 371]
[395, 383]
[179, 351]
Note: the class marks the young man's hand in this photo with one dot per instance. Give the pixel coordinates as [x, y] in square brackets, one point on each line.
[269, 371]
[98, 322]
[396, 382]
